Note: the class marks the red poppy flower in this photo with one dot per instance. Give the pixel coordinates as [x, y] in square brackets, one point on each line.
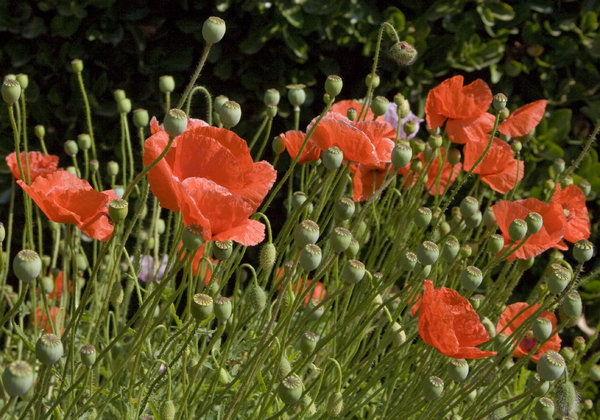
[42, 319]
[209, 175]
[39, 164]
[300, 287]
[448, 322]
[58, 287]
[576, 218]
[64, 198]
[342, 107]
[447, 178]
[365, 181]
[509, 321]
[293, 141]
[548, 236]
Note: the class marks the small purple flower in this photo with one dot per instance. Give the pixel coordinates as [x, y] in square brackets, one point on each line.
[391, 116]
[146, 273]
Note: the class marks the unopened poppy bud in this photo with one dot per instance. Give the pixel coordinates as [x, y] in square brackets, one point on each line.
[48, 349]
[310, 257]
[257, 297]
[401, 155]
[271, 111]
[11, 91]
[428, 153]
[119, 95]
[271, 97]
[27, 265]
[39, 131]
[117, 210]
[542, 328]
[458, 369]
[340, 239]
[71, 147]
[471, 278]
[353, 271]
[433, 388]
[489, 326]
[559, 279]
[17, 378]
[517, 230]
[454, 157]
[443, 229]
[418, 146]
[351, 114]
[499, 101]
[583, 250]
[428, 253]
[202, 306]
[568, 353]
[124, 106]
[403, 53]
[308, 342]
[307, 404]
[495, 243]
[551, 366]
[290, 390]
[398, 334]
[380, 105]
[278, 146]
[335, 404]
[450, 249]
[402, 106]
[167, 410]
[191, 239]
[23, 80]
[230, 114]
[333, 85]
[585, 186]
[469, 206]
[423, 217]
[466, 250]
[408, 260]
[267, 257]
[572, 305]
[332, 158]
[117, 294]
[213, 30]
[77, 65]
[579, 344]
[175, 122]
[504, 113]
[353, 248]
[296, 94]
[558, 165]
[344, 208]
[222, 307]
[84, 141]
[88, 355]
[544, 409]
[307, 232]
[566, 397]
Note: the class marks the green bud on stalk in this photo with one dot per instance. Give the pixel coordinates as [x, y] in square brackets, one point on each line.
[272, 97]
[333, 85]
[230, 114]
[17, 378]
[175, 122]
[27, 265]
[11, 91]
[213, 30]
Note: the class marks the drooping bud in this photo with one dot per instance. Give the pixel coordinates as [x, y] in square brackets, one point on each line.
[335, 404]
[567, 399]
[268, 255]
[403, 53]
[213, 30]
[257, 297]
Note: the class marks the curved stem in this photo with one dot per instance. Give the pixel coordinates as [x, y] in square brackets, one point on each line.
[192, 81]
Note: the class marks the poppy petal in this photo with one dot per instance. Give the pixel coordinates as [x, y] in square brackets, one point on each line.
[524, 119]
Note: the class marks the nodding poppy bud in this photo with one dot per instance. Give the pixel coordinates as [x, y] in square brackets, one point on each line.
[351, 114]
[399, 335]
[88, 355]
[308, 342]
[458, 369]
[230, 114]
[353, 248]
[271, 97]
[344, 208]
[71, 147]
[489, 326]
[298, 198]
[572, 305]
[428, 253]
[433, 388]
[17, 378]
[119, 95]
[499, 101]
[27, 265]
[408, 260]
[202, 306]
[517, 230]
[340, 239]
[544, 409]
[117, 210]
[213, 30]
[450, 249]
[40, 131]
[504, 113]
[495, 243]
[559, 279]
[372, 81]
[222, 249]
[223, 308]
[380, 105]
[167, 410]
[333, 85]
[423, 216]
[353, 271]
[335, 404]
[268, 255]
[454, 157]
[542, 328]
[48, 349]
[140, 117]
[310, 257]
[443, 229]
[112, 168]
[332, 158]
[175, 122]
[418, 145]
[403, 53]
[471, 278]
[307, 232]
[401, 155]
[551, 366]
[290, 390]
[434, 140]
[77, 65]
[583, 251]
[469, 206]
[296, 94]
[257, 297]
[585, 186]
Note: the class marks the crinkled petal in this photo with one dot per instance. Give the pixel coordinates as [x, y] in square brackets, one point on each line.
[524, 119]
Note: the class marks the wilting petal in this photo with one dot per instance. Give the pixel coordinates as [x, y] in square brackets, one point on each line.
[524, 119]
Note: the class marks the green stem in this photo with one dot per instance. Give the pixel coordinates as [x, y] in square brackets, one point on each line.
[88, 114]
[192, 81]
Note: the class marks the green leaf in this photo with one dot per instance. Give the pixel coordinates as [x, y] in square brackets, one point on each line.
[560, 120]
[501, 11]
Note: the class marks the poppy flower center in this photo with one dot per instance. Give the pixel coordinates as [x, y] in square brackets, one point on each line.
[566, 212]
[528, 342]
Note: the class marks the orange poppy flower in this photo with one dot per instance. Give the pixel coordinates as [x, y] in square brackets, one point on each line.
[365, 181]
[209, 175]
[342, 107]
[548, 236]
[58, 287]
[509, 321]
[39, 164]
[293, 141]
[448, 322]
[65, 198]
[300, 287]
[42, 319]
[576, 219]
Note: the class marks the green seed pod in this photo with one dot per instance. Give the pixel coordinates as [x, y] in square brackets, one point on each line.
[403, 53]
[175, 122]
[423, 217]
[71, 170]
[585, 186]
[213, 30]
[499, 101]
[191, 239]
[335, 404]
[2, 234]
[48, 349]
[469, 206]
[222, 249]
[504, 113]
[284, 368]
[27, 265]
[476, 301]
[77, 65]
[124, 106]
[380, 105]
[572, 305]
[271, 97]
[517, 230]
[333, 85]
[223, 308]
[117, 210]
[471, 278]
[542, 389]
[432, 388]
[88, 355]
[307, 232]
[230, 114]
[351, 114]
[495, 243]
[473, 221]
[17, 378]
[39, 131]
[444, 229]
[458, 369]
[296, 94]
[401, 155]
[544, 409]
[559, 278]
[112, 168]
[290, 390]
[534, 222]
[315, 314]
[268, 255]
[450, 249]
[594, 373]
[167, 410]
[428, 154]
[310, 257]
[298, 198]
[583, 251]
[23, 80]
[344, 209]
[277, 145]
[567, 399]
[332, 158]
[372, 81]
[340, 239]
[353, 271]
[84, 141]
[403, 106]
[428, 253]
[308, 343]
[71, 148]
[257, 298]
[140, 117]
[47, 284]
[418, 146]
[94, 165]
[489, 218]
[542, 328]
[454, 157]
[551, 366]
[166, 83]
[489, 326]
[353, 248]
[408, 260]
[202, 306]
[11, 91]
